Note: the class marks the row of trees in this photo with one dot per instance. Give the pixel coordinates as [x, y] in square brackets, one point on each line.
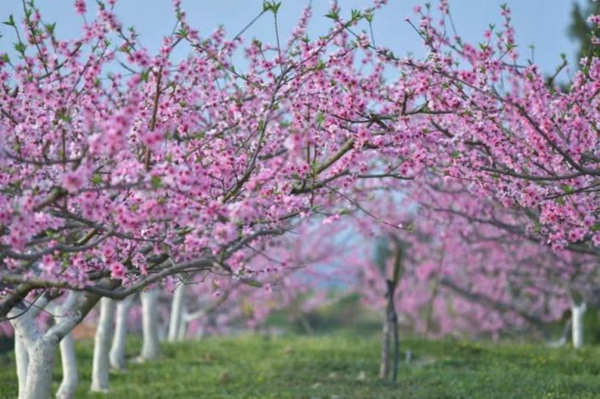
[124, 171]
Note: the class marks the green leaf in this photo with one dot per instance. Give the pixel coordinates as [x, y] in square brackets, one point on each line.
[272, 6]
[320, 118]
[96, 179]
[156, 182]
[183, 32]
[333, 15]
[20, 48]
[10, 21]
[251, 282]
[356, 15]
[275, 7]
[50, 28]
[568, 189]
[64, 115]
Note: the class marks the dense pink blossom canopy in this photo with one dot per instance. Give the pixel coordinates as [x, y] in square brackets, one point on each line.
[120, 168]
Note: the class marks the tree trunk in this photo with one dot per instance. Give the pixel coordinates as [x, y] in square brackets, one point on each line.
[22, 360]
[70, 380]
[68, 387]
[117, 351]
[390, 360]
[182, 325]
[396, 339]
[26, 334]
[42, 347]
[39, 372]
[100, 366]
[578, 323]
[176, 313]
[151, 344]
[384, 366]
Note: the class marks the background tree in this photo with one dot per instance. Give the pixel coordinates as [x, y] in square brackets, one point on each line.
[580, 28]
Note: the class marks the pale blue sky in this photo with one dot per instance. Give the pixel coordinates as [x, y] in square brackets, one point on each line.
[539, 22]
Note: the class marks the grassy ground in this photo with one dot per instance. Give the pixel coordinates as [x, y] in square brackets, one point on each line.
[343, 367]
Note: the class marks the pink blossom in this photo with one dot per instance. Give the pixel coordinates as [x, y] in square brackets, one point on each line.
[80, 6]
[117, 271]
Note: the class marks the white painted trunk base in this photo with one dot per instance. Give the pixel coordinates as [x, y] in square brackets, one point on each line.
[69, 366]
[578, 312]
[101, 365]
[22, 360]
[39, 372]
[117, 351]
[151, 341]
[35, 369]
[176, 317]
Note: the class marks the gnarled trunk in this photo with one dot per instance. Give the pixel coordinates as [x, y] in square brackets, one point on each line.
[41, 347]
[100, 366]
[117, 351]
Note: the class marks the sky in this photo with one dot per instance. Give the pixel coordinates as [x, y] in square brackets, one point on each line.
[542, 23]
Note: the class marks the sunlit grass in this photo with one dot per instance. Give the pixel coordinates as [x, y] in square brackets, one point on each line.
[342, 366]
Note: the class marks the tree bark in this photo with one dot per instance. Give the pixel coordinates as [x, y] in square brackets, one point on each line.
[42, 347]
[396, 339]
[384, 366]
[117, 351]
[578, 311]
[41, 364]
[100, 366]
[176, 319]
[70, 380]
[151, 342]
[22, 360]
[68, 387]
[25, 329]
[390, 362]
[183, 325]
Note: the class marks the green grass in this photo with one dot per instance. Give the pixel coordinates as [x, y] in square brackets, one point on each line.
[329, 367]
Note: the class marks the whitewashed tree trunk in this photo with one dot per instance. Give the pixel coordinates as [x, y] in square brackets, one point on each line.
[41, 364]
[100, 366]
[182, 325]
[21, 348]
[41, 347]
[22, 360]
[151, 342]
[565, 337]
[578, 311]
[117, 351]
[68, 387]
[176, 317]
[70, 380]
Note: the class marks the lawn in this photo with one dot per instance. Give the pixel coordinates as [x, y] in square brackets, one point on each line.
[342, 366]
